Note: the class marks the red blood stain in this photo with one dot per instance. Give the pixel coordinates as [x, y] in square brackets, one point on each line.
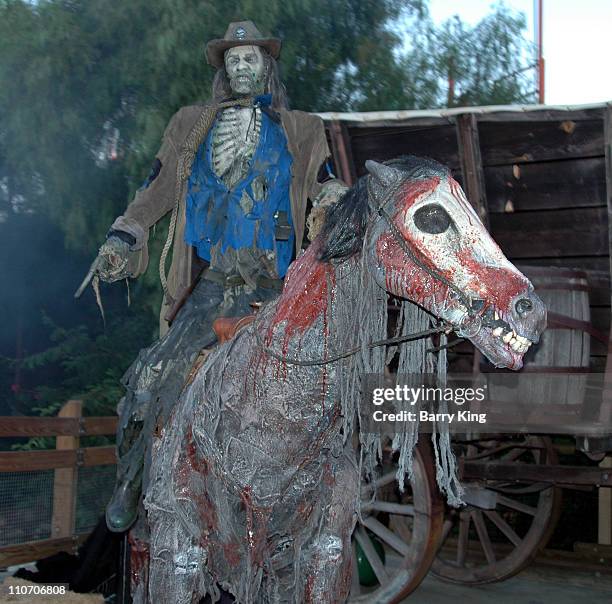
[304, 509]
[206, 510]
[309, 587]
[415, 189]
[328, 475]
[199, 465]
[305, 295]
[256, 527]
[498, 285]
[139, 561]
[404, 278]
[231, 552]
[188, 467]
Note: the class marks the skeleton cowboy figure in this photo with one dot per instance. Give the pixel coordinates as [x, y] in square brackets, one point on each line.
[236, 174]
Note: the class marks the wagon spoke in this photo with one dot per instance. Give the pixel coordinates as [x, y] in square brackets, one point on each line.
[386, 535]
[503, 526]
[446, 529]
[493, 451]
[516, 505]
[400, 526]
[483, 536]
[381, 481]
[355, 585]
[515, 452]
[404, 509]
[462, 542]
[371, 555]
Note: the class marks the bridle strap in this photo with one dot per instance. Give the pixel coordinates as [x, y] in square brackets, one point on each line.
[343, 355]
[380, 210]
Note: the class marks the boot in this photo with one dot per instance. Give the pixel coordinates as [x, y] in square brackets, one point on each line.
[122, 510]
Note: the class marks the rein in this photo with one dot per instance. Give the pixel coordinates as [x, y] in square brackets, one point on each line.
[343, 355]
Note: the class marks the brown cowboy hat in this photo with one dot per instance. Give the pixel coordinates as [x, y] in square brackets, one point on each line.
[240, 33]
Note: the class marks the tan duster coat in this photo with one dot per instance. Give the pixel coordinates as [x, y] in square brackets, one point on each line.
[305, 140]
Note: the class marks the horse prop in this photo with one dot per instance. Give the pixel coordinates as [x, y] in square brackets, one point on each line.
[255, 480]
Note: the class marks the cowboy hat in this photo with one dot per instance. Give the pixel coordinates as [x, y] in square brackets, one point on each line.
[240, 33]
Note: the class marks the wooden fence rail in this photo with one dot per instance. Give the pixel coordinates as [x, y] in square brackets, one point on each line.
[67, 457]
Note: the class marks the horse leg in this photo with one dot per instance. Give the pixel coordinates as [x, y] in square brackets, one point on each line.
[328, 575]
[177, 558]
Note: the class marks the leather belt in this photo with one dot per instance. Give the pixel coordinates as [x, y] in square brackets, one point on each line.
[236, 280]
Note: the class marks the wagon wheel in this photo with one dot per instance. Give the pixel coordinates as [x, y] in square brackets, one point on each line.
[408, 526]
[511, 521]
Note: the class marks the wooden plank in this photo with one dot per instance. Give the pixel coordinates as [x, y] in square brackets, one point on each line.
[36, 550]
[65, 479]
[576, 232]
[521, 142]
[546, 185]
[437, 143]
[98, 426]
[600, 318]
[387, 119]
[604, 526]
[550, 115]
[604, 530]
[471, 164]
[26, 461]
[38, 426]
[550, 474]
[608, 160]
[99, 456]
[56, 426]
[341, 150]
[30, 461]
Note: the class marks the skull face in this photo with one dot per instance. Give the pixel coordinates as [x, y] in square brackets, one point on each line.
[440, 256]
[245, 67]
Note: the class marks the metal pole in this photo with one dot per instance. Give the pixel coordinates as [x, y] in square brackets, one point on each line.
[540, 39]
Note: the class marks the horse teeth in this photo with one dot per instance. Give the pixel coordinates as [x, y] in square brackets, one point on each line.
[496, 315]
[498, 331]
[507, 337]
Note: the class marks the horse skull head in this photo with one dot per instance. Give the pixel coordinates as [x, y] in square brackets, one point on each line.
[430, 247]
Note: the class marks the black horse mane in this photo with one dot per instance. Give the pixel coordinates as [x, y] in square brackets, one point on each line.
[346, 221]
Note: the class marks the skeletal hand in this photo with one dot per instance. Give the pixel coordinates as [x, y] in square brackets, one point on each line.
[114, 255]
[329, 195]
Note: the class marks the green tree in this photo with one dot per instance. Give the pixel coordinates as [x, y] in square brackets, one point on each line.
[488, 64]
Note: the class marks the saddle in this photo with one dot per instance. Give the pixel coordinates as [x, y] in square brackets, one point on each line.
[225, 329]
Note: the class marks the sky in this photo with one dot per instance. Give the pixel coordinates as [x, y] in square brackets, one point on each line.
[576, 43]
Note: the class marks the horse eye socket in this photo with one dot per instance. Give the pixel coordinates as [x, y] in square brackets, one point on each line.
[432, 219]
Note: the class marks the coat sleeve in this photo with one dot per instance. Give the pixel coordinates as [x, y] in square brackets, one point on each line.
[152, 201]
[308, 146]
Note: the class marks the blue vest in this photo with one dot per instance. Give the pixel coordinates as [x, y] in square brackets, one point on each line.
[214, 213]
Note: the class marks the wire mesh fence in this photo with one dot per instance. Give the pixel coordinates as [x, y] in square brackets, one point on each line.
[26, 502]
[94, 489]
[26, 506]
